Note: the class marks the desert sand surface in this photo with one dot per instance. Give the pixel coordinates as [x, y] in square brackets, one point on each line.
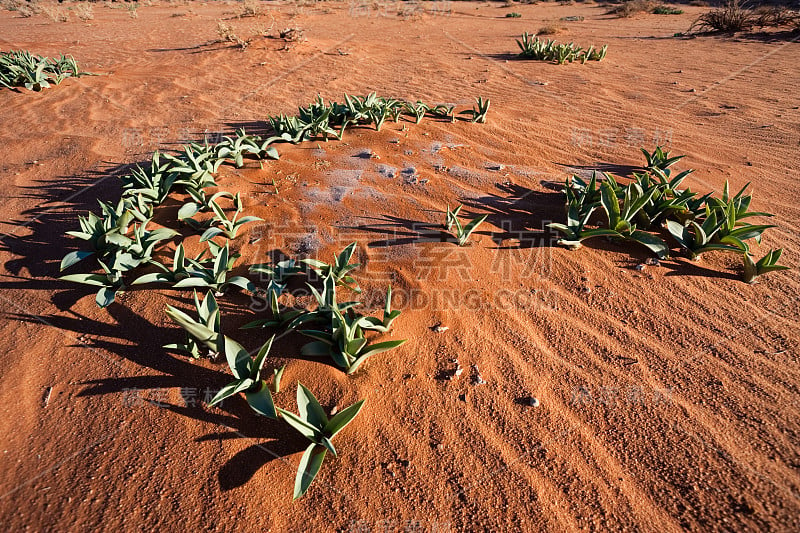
[668, 398]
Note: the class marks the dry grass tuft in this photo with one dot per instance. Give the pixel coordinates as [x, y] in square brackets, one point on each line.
[628, 8]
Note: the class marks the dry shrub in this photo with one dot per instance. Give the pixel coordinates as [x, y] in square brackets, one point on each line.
[25, 9]
[628, 8]
[734, 16]
[291, 34]
[729, 18]
[228, 35]
[775, 16]
[84, 11]
[55, 13]
[550, 29]
[250, 8]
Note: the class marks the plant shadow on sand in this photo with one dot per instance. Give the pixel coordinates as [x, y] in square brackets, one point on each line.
[234, 417]
[521, 215]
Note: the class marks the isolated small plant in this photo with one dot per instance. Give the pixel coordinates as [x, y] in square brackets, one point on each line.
[513, 15]
[461, 233]
[314, 424]
[479, 110]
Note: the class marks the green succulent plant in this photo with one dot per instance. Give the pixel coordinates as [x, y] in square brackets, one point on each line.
[153, 184]
[342, 333]
[531, 47]
[195, 166]
[416, 110]
[621, 218]
[20, 68]
[339, 270]
[659, 159]
[768, 263]
[314, 424]
[279, 275]
[461, 233]
[214, 276]
[110, 283]
[444, 111]
[236, 148]
[697, 239]
[247, 372]
[480, 109]
[227, 227]
[204, 334]
[201, 202]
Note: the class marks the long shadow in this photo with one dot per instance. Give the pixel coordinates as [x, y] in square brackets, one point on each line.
[625, 171]
[521, 215]
[38, 240]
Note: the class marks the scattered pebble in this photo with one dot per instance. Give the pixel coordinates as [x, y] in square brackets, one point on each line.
[652, 261]
[495, 166]
[640, 267]
[440, 328]
[334, 410]
[458, 372]
[534, 402]
[409, 152]
[587, 290]
[477, 379]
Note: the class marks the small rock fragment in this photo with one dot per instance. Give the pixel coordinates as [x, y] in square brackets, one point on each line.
[477, 379]
[440, 328]
[640, 267]
[652, 261]
[533, 402]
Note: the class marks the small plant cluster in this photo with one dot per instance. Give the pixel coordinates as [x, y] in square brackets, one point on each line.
[549, 50]
[337, 331]
[653, 200]
[20, 68]
[121, 241]
[321, 120]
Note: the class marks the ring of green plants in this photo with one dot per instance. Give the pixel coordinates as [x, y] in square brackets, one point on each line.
[121, 243]
[20, 68]
[654, 199]
[533, 48]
